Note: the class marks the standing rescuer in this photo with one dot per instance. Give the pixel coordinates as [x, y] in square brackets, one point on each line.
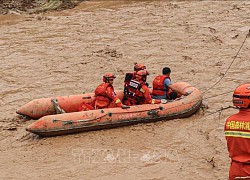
[237, 133]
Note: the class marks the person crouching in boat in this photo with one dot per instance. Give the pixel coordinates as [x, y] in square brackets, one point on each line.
[237, 131]
[130, 76]
[105, 96]
[137, 91]
[163, 88]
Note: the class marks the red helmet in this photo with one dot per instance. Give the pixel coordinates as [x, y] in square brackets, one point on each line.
[241, 96]
[138, 67]
[141, 75]
[108, 76]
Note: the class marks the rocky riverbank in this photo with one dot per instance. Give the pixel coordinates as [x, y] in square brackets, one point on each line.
[31, 6]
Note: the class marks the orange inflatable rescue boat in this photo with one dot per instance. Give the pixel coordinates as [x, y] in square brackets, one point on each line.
[52, 124]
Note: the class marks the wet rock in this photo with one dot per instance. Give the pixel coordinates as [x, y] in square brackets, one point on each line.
[187, 58]
[212, 30]
[12, 128]
[219, 63]
[235, 36]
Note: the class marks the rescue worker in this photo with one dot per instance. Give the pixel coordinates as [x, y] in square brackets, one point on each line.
[105, 94]
[130, 76]
[237, 133]
[137, 91]
[163, 88]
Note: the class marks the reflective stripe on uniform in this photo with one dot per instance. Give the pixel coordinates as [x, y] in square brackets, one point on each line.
[240, 134]
[117, 101]
[153, 101]
[142, 90]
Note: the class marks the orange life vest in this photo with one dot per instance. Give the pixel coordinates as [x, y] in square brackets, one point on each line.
[101, 95]
[133, 92]
[158, 86]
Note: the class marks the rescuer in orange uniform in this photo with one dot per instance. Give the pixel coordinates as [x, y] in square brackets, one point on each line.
[237, 132]
[105, 94]
[137, 91]
[130, 76]
[163, 88]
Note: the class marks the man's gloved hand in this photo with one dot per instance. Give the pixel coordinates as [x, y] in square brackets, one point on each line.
[164, 101]
[125, 107]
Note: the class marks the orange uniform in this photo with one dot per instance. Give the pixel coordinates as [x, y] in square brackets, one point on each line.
[106, 97]
[138, 93]
[237, 132]
[131, 76]
[159, 88]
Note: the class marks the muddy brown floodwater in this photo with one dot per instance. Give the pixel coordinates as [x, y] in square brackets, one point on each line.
[67, 52]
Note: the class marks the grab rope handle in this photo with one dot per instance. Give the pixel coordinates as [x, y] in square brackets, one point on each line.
[186, 88]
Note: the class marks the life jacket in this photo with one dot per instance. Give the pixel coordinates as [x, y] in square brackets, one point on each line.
[128, 78]
[133, 93]
[158, 86]
[102, 100]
